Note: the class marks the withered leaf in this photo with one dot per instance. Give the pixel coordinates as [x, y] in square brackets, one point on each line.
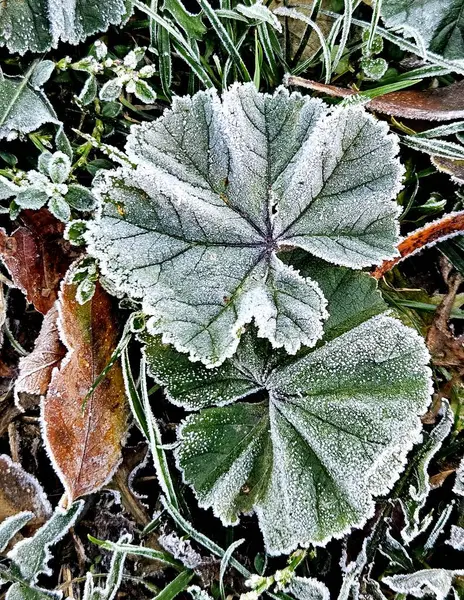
[455, 168]
[37, 257]
[424, 237]
[446, 349]
[20, 491]
[440, 104]
[85, 445]
[35, 369]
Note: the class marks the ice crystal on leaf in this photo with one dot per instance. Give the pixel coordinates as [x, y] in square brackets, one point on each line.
[325, 432]
[219, 189]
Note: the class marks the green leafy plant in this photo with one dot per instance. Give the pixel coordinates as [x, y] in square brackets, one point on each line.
[47, 186]
[219, 189]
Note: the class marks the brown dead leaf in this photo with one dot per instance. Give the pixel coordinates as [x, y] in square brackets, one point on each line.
[85, 446]
[424, 237]
[455, 168]
[20, 491]
[446, 349]
[37, 257]
[438, 104]
[35, 369]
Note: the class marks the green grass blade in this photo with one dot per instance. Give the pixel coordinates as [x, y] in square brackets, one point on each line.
[176, 586]
[224, 38]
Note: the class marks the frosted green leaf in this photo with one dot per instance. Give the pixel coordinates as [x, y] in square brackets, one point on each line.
[458, 487]
[40, 25]
[437, 25]
[308, 588]
[419, 488]
[19, 591]
[30, 556]
[80, 198]
[435, 583]
[59, 208]
[42, 73]
[259, 12]
[31, 197]
[22, 107]
[352, 298]
[308, 454]
[144, 92]
[89, 91]
[59, 167]
[7, 188]
[219, 189]
[10, 527]
[111, 90]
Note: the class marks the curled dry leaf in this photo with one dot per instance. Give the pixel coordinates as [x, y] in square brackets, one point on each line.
[450, 225]
[440, 104]
[35, 369]
[85, 445]
[37, 257]
[20, 491]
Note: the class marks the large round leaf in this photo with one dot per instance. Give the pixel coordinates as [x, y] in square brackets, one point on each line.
[219, 189]
[321, 434]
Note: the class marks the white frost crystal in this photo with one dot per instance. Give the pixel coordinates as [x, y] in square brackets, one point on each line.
[219, 189]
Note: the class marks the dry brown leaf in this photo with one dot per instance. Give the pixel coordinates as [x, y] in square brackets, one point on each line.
[35, 369]
[440, 104]
[455, 168]
[446, 349]
[85, 445]
[450, 225]
[20, 491]
[37, 257]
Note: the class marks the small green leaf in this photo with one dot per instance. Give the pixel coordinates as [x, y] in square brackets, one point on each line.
[89, 91]
[59, 208]
[75, 232]
[374, 68]
[144, 92]
[111, 109]
[31, 197]
[7, 188]
[111, 90]
[59, 167]
[42, 73]
[80, 197]
[10, 527]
